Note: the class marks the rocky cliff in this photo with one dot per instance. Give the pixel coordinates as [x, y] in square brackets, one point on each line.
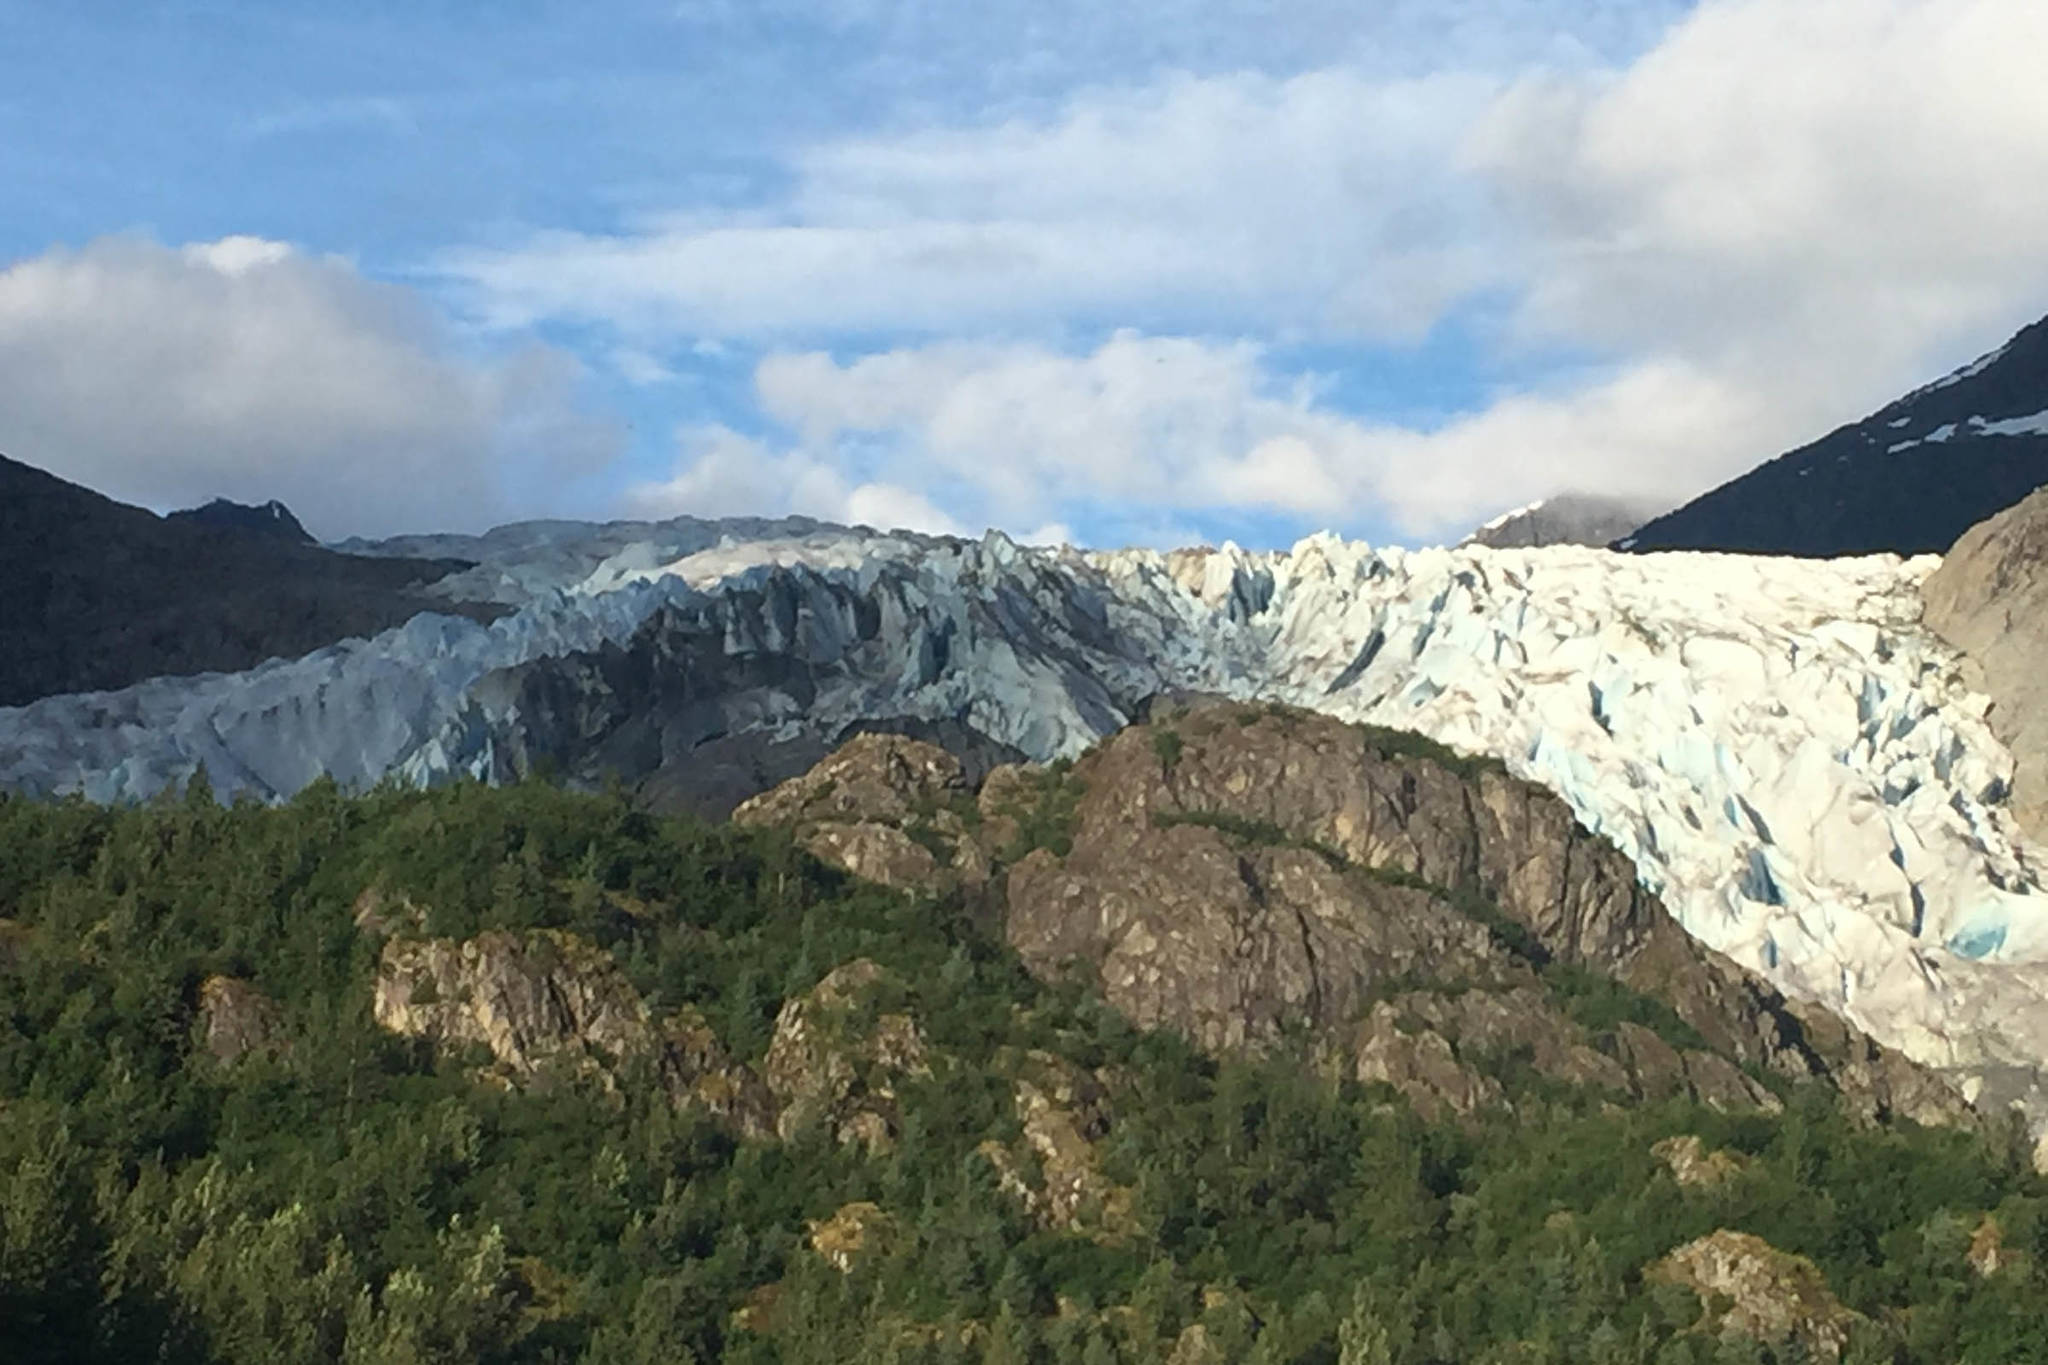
[1754, 1292]
[1989, 598]
[1246, 874]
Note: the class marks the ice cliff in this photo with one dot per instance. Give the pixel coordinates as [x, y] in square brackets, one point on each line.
[1791, 760]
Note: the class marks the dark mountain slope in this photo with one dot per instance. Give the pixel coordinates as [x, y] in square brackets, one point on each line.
[1909, 479]
[95, 594]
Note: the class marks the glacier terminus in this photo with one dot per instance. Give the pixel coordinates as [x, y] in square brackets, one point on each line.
[1794, 763]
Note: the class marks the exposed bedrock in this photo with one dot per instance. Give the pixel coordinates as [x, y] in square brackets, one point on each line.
[1244, 873]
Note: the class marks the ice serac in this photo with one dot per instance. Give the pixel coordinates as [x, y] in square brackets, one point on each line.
[1792, 761]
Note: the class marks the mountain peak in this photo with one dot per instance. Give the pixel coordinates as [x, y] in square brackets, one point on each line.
[1564, 519]
[271, 518]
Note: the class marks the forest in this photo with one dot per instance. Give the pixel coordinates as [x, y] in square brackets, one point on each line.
[341, 1191]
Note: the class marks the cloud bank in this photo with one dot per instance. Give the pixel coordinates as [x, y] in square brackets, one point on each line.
[241, 368]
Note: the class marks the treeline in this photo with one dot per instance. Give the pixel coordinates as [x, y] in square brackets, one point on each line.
[341, 1193]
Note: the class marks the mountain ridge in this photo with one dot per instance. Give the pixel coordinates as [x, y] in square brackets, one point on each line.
[1908, 479]
[98, 595]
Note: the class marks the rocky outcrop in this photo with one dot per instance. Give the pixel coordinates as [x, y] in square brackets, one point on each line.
[885, 808]
[547, 1004]
[1772, 1297]
[1988, 599]
[236, 1019]
[550, 1007]
[1238, 870]
[1988, 1253]
[853, 1233]
[837, 1054]
[1436, 1048]
[1693, 1166]
[1064, 1112]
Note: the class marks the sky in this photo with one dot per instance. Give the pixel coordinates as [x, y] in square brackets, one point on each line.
[1160, 272]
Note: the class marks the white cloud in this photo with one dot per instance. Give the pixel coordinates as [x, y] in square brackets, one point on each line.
[242, 369]
[1841, 193]
[1024, 431]
[722, 473]
[1326, 203]
[1029, 439]
[1778, 217]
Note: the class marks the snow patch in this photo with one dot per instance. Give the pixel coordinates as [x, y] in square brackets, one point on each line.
[1954, 377]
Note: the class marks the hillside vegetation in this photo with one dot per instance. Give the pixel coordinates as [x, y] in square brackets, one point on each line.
[833, 1122]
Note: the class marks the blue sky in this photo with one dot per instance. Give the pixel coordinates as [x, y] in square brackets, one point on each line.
[1157, 272]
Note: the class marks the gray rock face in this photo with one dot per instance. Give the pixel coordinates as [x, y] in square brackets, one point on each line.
[1567, 519]
[829, 1064]
[1989, 599]
[1242, 873]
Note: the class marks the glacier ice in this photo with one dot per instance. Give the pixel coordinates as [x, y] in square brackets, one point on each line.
[1792, 761]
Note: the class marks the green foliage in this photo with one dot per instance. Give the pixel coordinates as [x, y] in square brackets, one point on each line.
[1168, 745]
[1045, 819]
[1256, 833]
[1391, 744]
[351, 1196]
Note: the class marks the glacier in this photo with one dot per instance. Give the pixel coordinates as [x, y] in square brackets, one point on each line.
[1793, 762]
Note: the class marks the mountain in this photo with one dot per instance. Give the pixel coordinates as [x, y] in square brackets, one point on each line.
[1567, 519]
[273, 518]
[1908, 479]
[97, 595]
[1783, 751]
